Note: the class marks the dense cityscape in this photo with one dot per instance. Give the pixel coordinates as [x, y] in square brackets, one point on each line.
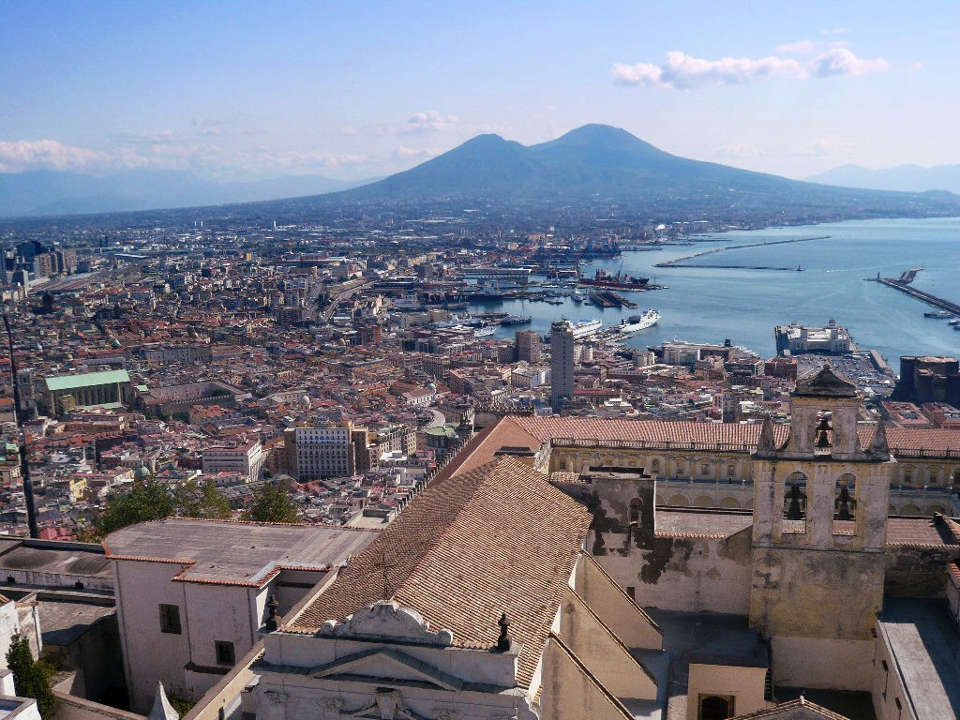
[412, 361]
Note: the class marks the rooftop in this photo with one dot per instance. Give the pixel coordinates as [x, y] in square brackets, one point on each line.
[71, 382]
[925, 647]
[227, 552]
[498, 538]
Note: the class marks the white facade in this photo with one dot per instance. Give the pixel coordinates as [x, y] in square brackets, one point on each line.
[323, 452]
[246, 460]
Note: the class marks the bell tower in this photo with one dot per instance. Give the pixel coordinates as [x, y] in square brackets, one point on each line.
[820, 521]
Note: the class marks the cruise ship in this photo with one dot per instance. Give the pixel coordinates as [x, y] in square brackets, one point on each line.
[485, 331]
[635, 323]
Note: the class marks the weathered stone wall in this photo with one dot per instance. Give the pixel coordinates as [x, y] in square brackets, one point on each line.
[692, 574]
[916, 571]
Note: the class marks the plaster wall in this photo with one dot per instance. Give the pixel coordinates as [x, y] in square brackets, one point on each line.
[569, 693]
[9, 626]
[886, 686]
[692, 574]
[745, 684]
[822, 663]
[602, 652]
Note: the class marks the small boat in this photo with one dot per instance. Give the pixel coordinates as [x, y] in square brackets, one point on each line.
[938, 314]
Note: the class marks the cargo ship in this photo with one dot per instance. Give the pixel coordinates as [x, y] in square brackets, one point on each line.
[635, 323]
[620, 281]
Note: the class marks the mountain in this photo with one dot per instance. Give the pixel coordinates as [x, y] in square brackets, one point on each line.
[600, 165]
[908, 178]
[65, 193]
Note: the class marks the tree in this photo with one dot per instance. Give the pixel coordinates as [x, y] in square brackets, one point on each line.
[272, 503]
[201, 500]
[149, 499]
[31, 678]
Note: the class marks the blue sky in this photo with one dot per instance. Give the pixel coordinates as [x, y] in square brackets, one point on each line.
[359, 89]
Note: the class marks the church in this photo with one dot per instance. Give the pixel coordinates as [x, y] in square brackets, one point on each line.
[540, 580]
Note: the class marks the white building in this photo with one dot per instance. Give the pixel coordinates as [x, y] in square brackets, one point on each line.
[245, 460]
[192, 594]
[324, 452]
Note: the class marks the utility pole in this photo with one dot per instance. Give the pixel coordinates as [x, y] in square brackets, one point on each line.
[24, 462]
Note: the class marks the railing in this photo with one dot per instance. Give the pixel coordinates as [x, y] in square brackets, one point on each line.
[651, 445]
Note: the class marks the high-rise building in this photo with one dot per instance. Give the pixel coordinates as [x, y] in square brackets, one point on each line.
[529, 345]
[324, 452]
[561, 363]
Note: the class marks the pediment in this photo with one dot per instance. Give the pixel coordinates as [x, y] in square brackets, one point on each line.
[384, 621]
[387, 664]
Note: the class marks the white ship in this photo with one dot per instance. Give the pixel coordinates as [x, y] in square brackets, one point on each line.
[485, 331]
[635, 323]
[586, 328]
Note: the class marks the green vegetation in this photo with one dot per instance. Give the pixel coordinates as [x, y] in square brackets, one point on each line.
[151, 499]
[272, 503]
[31, 678]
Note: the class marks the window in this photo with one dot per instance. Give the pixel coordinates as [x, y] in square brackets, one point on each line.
[886, 677]
[705, 469]
[731, 470]
[632, 592]
[225, 653]
[170, 619]
[795, 503]
[716, 707]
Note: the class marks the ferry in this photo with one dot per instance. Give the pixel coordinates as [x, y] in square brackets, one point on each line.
[586, 328]
[635, 323]
[485, 331]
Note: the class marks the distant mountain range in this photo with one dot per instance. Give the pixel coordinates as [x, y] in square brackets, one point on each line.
[907, 178]
[66, 193]
[593, 169]
[601, 165]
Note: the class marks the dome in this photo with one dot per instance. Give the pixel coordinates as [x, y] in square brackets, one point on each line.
[142, 473]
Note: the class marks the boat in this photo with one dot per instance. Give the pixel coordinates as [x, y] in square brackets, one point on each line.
[635, 323]
[577, 296]
[620, 281]
[938, 314]
[516, 320]
[586, 328]
[485, 331]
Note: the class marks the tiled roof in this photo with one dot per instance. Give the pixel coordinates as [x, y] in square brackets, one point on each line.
[532, 432]
[498, 538]
[799, 709]
[701, 523]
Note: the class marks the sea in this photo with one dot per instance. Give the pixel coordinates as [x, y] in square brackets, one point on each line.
[711, 305]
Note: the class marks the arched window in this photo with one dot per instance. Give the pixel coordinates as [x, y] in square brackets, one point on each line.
[845, 497]
[795, 502]
[715, 707]
[635, 506]
[655, 465]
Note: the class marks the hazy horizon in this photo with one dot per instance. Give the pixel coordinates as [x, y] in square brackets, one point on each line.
[358, 92]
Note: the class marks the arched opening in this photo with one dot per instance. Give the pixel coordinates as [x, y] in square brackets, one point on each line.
[845, 497]
[635, 506]
[795, 503]
[956, 477]
[678, 500]
[729, 502]
[823, 433]
[655, 465]
[715, 707]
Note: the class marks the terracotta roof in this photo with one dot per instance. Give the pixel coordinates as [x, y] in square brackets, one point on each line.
[532, 432]
[920, 531]
[495, 539]
[701, 523]
[799, 709]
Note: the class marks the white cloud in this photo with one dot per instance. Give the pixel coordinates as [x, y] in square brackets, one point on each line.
[406, 153]
[826, 147]
[841, 61]
[24, 155]
[916, 66]
[429, 121]
[683, 72]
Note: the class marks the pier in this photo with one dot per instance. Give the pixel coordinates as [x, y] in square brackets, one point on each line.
[905, 287]
[684, 261]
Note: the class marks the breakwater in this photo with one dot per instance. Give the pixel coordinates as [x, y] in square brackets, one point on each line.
[685, 260]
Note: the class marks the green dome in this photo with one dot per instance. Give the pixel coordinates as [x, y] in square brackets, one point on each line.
[142, 473]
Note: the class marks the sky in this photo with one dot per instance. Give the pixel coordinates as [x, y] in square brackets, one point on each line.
[359, 89]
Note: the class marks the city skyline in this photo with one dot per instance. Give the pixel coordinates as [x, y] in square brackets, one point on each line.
[359, 93]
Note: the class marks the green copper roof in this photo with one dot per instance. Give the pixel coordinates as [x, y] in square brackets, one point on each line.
[70, 382]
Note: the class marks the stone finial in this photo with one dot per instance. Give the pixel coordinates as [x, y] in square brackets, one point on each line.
[272, 607]
[503, 642]
[162, 709]
[878, 446]
[766, 445]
